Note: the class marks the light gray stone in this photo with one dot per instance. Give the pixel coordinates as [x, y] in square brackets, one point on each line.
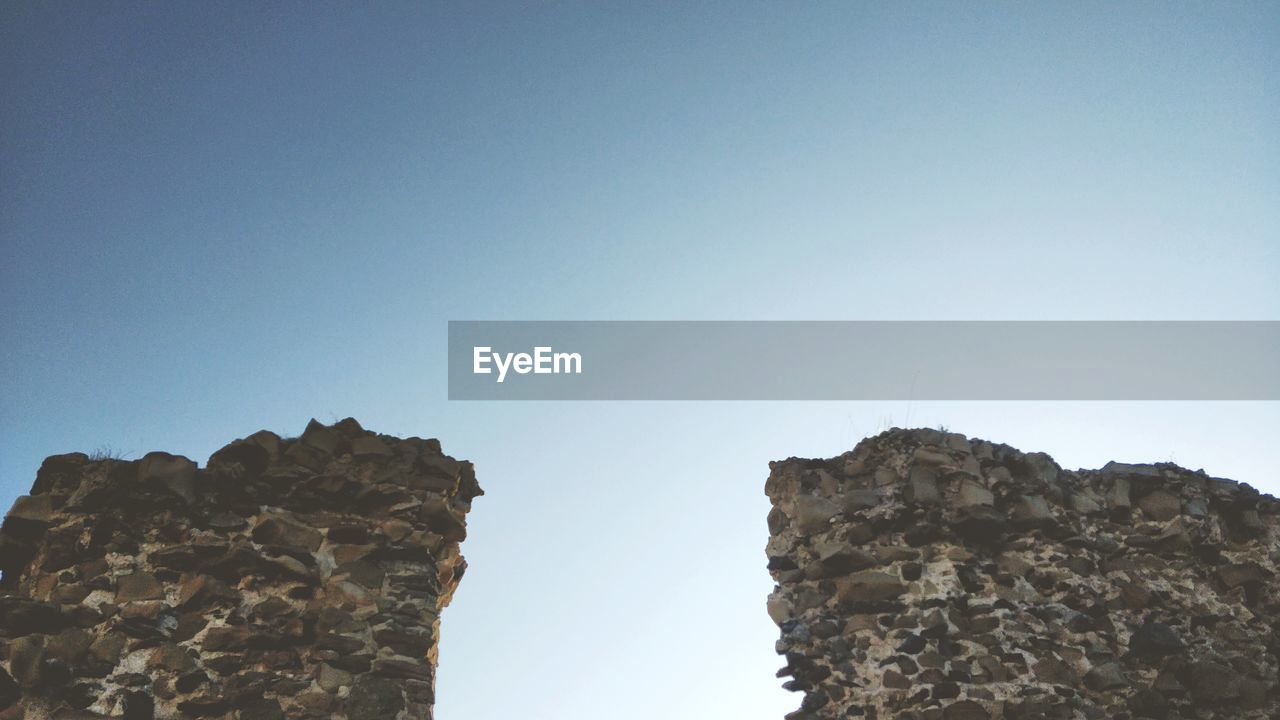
[812, 514]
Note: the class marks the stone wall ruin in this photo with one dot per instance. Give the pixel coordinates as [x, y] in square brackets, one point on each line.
[288, 578]
[921, 576]
[927, 576]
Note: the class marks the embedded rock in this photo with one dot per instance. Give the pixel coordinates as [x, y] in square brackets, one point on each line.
[928, 576]
[289, 578]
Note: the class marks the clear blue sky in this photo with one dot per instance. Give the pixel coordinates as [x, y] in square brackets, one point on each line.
[218, 218]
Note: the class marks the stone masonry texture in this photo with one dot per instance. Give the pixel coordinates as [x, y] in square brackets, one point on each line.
[928, 576]
[288, 578]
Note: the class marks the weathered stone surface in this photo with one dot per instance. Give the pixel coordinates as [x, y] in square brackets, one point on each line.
[197, 591]
[1244, 574]
[1148, 703]
[1107, 676]
[69, 646]
[331, 679]
[9, 691]
[974, 494]
[290, 578]
[869, 586]
[1155, 640]
[26, 660]
[965, 710]
[1031, 511]
[277, 529]
[171, 472]
[922, 486]
[375, 698]
[369, 445]
[33, 509]
[842, 558]
[1160, 505]
[812, 514]
[171, 657]
[138, 585]
[402, 669]
[967, 580]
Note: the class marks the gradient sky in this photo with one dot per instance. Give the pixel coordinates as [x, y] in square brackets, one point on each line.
[215, 219]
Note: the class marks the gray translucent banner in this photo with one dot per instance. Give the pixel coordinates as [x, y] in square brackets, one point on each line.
[864, 360]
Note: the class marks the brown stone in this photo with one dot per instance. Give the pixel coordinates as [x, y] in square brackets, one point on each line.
[972, 493]
[402, 669]
[367, 574]
[204, 706]
[252, 455]
[869, 586]
[441, 517]
[1213, 683]
[272, 607]
[922, 486]
[189, 625]
[69, 646]
[108, 647]
[36, 509]
[339, 643]
[174, 473]
[1031, 511]
[321, 437]
[838, 558]
[281, 530]
[1160, 505]
[138, 585]
[197, 591]
[171, 657]
[1107, 676]
[374, 698]
[10, 693]
[70, 594]
[414, 645]
[227, 637]
[26, 658]
[369, 445]
[1241, 574]
[1118, 497]
[1054, 672]
[331, 679]
[860, 499]
[896, 680]
[343, 554]
[965, 710]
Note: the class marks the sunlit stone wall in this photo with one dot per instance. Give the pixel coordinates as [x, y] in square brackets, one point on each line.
[926, 575]
[298, 578]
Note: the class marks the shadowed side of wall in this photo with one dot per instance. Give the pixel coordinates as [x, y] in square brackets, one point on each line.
[928, 576]
[298, 578]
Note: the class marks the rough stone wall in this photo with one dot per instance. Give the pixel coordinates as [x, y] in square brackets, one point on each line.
[926, 575]
[299, 578]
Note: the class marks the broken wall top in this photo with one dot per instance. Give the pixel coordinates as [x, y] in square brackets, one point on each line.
[927, 575]
[295, 577]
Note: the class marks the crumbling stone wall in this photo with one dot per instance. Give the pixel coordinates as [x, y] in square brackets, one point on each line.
[299, 578]
[925, 575]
